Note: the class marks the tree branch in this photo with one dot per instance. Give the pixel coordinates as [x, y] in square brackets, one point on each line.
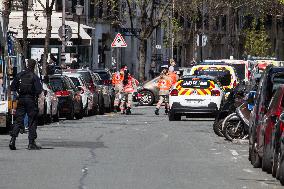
[41, 4]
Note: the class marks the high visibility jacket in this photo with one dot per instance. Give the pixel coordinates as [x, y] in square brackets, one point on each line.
[164, 84]
[174, 77]
[117, 78]
[131, 86]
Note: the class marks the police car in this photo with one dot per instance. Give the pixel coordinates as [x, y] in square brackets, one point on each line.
[195, 96]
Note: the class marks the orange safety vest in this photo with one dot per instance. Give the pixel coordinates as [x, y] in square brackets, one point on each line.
[173, 76]
[117, 78]
[164, 84]
[131, 85]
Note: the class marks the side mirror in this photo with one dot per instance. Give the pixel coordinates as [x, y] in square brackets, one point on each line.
[281, 118]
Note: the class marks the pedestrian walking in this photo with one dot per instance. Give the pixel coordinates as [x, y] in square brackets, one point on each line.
[164, 85]
[28, 86]
[129, 87]
[117, 79]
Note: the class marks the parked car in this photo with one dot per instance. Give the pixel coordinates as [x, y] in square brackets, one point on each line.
[70, 101]
[271, 79]
[106, 91]
[87, 96]
[195, 96]
[105, 75]
[93, 87]
[148, 92]
[51, 104]
[278, 150]
[264, 139]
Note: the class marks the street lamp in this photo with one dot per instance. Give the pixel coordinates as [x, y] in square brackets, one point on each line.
[79, 12]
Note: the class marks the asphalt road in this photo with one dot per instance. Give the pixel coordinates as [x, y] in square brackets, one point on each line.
[140, 151]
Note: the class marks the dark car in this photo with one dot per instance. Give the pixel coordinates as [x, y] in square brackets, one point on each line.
[70, 103]
[93, 87]
[264, 140]
[270, 80]
[278, 149]
[105, 75]
[107, 92]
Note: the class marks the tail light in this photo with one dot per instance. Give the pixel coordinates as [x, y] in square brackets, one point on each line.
[174, 92]
[215, 92]
[62, 93]
[235, 83]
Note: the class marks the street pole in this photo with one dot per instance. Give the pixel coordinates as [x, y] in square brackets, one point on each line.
[63, 35]
[172, 34]
[78, 35]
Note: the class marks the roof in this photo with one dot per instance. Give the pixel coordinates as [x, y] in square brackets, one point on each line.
[69, 74]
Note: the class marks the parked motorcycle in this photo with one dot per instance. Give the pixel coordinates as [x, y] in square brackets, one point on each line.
[234, 100]
[236, 125]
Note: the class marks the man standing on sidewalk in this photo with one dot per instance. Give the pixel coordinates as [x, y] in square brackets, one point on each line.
[28, 86]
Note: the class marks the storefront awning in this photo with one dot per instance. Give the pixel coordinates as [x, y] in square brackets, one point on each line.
[37, 27]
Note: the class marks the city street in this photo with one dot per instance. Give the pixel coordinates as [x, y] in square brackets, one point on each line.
[141, 151]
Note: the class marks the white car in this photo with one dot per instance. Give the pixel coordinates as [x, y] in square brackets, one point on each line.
[87, 96]
[51, 104]
[195, 96]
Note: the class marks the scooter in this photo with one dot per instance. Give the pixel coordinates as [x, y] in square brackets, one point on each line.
[236, 125]
[234, 100]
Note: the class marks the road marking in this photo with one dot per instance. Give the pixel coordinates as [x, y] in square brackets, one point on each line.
[234, 152]
[248, 170]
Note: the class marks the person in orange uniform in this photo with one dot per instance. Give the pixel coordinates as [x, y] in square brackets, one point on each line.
[117, 79]
[164, 84]
[171, 73]
[129, 87]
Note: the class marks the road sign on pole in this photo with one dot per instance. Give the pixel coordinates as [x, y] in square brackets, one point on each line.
[203, 41]
[118, 41]
[68, 32]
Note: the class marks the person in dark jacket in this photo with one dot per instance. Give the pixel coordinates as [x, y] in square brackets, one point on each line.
[28, 87]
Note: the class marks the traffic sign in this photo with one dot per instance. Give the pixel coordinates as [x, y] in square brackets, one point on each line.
[204, 39]
[68, 32]
[118, 41]
[158, 46]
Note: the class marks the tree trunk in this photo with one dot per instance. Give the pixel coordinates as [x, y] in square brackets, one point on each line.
[46, 42]
[25, 29]
[142, 59]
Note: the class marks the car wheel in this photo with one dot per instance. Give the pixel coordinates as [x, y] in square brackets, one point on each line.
[147, 98]
[102, 107]
[255, 159]
[217, 128]
[266, 160]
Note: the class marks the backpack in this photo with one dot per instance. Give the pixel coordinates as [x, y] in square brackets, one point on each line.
[26, 84]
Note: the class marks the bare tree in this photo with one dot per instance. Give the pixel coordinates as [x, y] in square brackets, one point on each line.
[148, 23]
[48, 7]
[25, 28]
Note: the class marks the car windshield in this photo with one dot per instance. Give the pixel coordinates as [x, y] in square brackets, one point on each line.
[57, 84]
[223, 75]
[87, 76]
[199, 83]
[75, 81]
[104, 75]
